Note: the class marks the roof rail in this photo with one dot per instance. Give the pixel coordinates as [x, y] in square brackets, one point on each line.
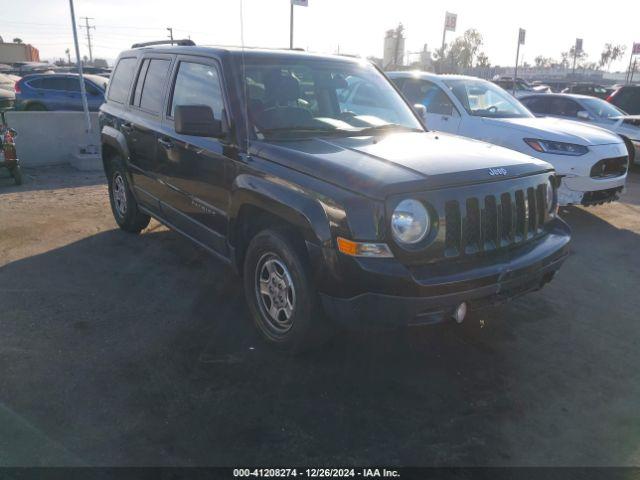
[181, 43]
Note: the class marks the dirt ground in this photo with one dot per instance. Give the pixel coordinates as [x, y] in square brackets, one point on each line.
[137, 350]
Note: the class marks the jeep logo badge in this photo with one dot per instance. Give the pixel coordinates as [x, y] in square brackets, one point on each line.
[497, 171]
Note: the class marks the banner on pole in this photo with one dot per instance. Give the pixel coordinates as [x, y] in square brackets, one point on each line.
[450, 21]
[636, 49]
[578, 45]
[521, 36]
[300, 3]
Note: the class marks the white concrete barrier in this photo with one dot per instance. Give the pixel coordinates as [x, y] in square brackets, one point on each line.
[53, 138]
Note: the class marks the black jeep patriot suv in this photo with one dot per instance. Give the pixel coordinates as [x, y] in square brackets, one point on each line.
[313, 177]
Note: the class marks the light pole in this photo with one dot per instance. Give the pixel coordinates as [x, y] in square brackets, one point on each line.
[83, 91]
[291, 28]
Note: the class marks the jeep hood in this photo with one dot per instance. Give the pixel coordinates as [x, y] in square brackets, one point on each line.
[555, 129]
[399, 162]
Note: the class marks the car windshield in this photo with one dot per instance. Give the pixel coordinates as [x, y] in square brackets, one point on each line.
[484, 99]
[601, 109]
[310, 96]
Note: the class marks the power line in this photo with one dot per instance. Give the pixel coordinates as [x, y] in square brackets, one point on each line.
[88, 28]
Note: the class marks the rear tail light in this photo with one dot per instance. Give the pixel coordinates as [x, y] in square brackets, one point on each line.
[16, 87]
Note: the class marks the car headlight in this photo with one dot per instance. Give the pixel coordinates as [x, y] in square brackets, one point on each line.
[557, 148]
[550, 196]
[410, 222]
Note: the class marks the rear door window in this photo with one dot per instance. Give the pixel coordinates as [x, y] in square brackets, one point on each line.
[153, 86]
[50, 83]
[121, 80]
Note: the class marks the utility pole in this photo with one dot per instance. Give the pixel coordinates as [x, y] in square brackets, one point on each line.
[88, 28]
[170, 30]
[521, 37]
[68, 52]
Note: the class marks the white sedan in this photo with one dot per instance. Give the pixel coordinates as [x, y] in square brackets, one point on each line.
[591, 110]
[592, 161]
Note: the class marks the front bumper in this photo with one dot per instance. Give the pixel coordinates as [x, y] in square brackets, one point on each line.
[434, 291]
[577, 182]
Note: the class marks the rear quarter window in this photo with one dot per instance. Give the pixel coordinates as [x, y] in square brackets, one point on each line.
[121, 80]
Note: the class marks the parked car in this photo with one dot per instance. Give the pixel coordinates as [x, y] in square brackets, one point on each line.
[540, 87]
[591, 110]
[479, 109]
[521, 86]
[329, 215]
[590, 89]
[7, 82]
[627, 98]
[58, 91]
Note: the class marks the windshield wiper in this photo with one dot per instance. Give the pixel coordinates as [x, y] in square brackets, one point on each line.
[300, 129]
[386, 127]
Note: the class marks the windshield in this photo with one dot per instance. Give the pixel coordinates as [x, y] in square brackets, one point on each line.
[484, 99]
[601, 109]
[310, 96]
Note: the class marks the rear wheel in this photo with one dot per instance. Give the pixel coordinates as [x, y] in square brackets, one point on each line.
[123, 204]
[282, 299]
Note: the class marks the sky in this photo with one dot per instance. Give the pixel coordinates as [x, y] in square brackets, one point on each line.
[327, 26]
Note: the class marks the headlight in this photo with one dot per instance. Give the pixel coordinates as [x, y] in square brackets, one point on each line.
[550, 196]
[557, 148]
[410, 222]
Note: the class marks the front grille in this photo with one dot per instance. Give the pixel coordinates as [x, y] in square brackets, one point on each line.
[495, 221]
[610, 167]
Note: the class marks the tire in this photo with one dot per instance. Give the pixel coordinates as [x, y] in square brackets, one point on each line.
[282, 299]
[36, 107]
[123, 204]
[17, 175]
[631, 149]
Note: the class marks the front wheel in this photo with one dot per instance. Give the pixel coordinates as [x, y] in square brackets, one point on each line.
[16, 172]
[123, 203]
[281, 297]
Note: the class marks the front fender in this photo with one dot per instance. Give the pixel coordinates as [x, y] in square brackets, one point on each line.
[284, 200]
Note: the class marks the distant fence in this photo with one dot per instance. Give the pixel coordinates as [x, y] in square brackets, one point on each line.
[50, 138]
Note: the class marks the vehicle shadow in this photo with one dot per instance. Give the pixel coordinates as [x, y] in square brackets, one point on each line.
[138, 350]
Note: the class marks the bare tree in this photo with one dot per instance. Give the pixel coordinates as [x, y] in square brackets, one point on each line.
[610, 54]
[543, 62]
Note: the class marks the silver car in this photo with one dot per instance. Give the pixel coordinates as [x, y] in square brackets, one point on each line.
[592, 110]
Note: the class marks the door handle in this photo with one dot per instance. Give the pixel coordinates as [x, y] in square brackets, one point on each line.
[168, 144]
[445, 118]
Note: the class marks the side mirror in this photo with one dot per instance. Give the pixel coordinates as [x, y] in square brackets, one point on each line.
[420, 109]
[583, 115]
[197, 120]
